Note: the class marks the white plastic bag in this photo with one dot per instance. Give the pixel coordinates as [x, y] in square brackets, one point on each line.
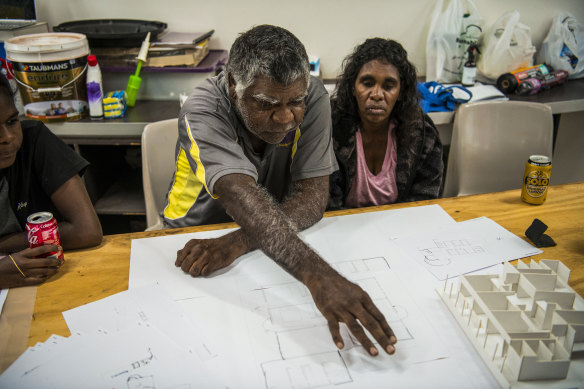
[451, 32]
[506, 46]
[563, 47]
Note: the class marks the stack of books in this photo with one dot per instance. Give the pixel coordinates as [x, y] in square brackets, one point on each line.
[172, 49]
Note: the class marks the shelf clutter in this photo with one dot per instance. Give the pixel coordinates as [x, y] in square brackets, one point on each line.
[172, 49]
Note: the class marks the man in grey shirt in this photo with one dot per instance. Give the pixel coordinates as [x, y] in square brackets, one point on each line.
[217, 142]
[255, 147]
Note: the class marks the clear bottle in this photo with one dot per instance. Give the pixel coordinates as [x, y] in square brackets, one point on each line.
[94, 88]
[469, 72]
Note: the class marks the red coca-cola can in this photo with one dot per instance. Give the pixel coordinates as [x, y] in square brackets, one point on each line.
[41, 228]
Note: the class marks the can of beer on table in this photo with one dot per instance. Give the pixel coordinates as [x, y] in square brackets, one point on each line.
[41, 228]
[536, 179]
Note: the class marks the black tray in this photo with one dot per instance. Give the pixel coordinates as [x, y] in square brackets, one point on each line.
[114, 32]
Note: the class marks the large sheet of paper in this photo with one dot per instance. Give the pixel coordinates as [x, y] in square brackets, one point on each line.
[266, 325]
[134, 339]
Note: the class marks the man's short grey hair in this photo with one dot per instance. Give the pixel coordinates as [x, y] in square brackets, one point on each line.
[269, 51]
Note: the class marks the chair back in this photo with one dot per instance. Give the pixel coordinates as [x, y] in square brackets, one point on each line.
[158, 167]
[491, 142]
[568, 161]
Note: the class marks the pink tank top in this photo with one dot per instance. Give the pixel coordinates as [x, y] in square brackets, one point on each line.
[368, 189]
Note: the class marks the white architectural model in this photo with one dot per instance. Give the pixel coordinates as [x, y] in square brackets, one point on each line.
[525, 323]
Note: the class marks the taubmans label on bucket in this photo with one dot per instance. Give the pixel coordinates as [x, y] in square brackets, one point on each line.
[53, 95]
[50, 71]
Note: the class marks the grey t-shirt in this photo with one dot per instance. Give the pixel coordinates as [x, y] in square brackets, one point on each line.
[213, 142]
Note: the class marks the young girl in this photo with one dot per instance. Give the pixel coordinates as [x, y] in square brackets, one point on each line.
[38, 172]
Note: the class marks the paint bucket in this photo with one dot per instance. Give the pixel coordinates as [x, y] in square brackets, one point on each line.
[50, 70]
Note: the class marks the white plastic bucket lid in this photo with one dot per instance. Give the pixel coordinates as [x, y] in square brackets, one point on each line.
[46, 42]
[56, 46]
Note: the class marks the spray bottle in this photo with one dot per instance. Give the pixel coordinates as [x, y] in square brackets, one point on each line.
[134, 81]
[469, 72]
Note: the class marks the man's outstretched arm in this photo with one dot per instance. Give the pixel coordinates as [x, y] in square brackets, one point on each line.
[269, 229]
[303, 208]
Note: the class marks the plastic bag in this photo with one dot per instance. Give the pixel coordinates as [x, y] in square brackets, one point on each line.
[452, 31]
[505, 46]
[563, 47]
[435, 97]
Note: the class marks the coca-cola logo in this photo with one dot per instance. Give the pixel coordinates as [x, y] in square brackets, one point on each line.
[32, 233]
[33, 239]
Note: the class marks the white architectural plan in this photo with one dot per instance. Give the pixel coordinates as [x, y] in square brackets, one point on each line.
[525, 323]
[465, 247]
[292, 344]
[134, 339]
[268, 324]
[265, 323]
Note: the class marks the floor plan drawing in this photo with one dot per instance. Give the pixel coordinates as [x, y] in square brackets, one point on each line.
[443, 252]
[303, 354]
[465, 247]
[265, 329]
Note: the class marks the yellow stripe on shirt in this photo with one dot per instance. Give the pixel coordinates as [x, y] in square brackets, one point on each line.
[185, 189]
[195, 154]
[187, 185]
[295, 146]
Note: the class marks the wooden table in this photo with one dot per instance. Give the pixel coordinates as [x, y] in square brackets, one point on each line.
[92, 274]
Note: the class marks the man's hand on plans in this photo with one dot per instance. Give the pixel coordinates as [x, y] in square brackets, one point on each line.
[341, 301]
[201, 257]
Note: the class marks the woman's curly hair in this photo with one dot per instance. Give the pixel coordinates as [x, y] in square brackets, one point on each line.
[345, 112]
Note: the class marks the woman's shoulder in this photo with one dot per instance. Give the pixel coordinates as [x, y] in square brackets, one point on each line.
[428, 122]
[418, 123]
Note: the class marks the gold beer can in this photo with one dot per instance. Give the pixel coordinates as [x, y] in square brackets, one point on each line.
[536, 179]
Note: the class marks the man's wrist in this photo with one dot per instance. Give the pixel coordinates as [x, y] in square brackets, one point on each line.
[243, 244]
[318, 275]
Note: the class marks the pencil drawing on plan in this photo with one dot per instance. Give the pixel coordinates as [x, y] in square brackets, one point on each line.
[443, 252]
[319, 363]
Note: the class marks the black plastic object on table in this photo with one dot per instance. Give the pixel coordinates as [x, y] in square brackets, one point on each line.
[114, 32]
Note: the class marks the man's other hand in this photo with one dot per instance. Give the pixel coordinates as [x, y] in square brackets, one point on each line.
[201, 257]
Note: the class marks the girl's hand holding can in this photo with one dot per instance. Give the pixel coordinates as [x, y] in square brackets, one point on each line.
[27, 267]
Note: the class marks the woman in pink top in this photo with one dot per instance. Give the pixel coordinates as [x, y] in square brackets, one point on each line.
[388, 150]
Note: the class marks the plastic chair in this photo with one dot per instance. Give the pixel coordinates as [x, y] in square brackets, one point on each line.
[568, 160]
[492, 141]
[158, 166]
